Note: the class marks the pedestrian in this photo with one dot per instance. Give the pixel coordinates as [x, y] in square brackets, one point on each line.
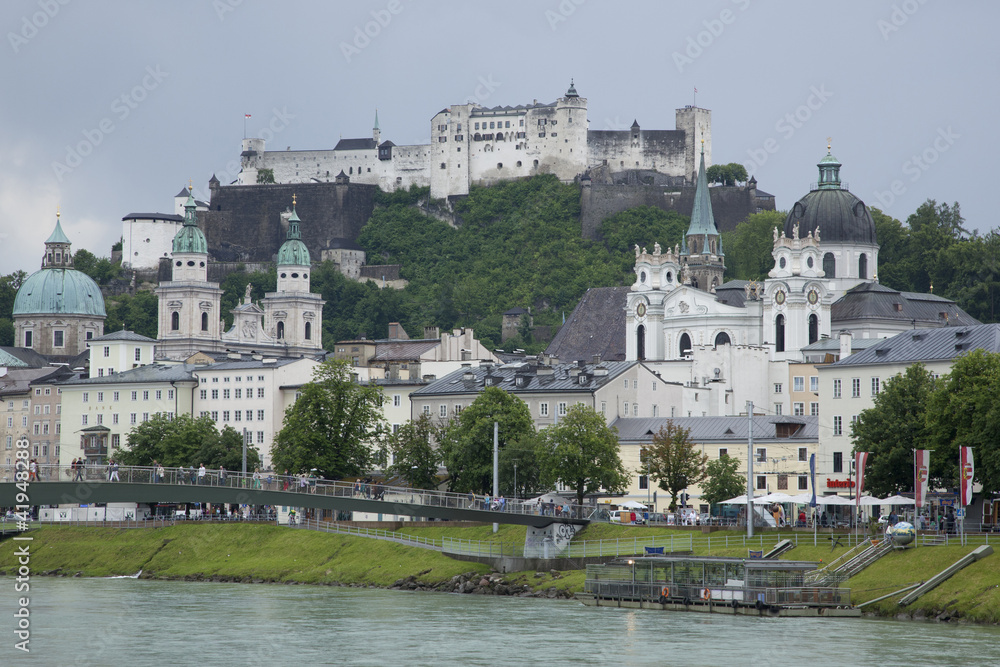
[113, 471]
[79, 471]
[152, 473]
[256, 478]
[201, 473]
[285, 478]
[222, 476]
[33, 471]
[161, 473]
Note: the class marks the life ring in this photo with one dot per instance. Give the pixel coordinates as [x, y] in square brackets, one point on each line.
[665, 592]
[706, 594]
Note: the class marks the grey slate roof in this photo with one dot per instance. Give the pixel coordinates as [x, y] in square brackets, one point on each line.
[560, 380]
[596, 326]
[17, 380]
[26, 355]
[832, 344]
[403, 350]
[123, 335]
[718, 429]
[732, 293]
[355, 144]
[872, 301]
[154, 216]
[245, 364]
[928, 345]
[143, 374]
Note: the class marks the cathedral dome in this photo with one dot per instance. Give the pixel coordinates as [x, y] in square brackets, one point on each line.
[840, 216]
[189, 238]
[293, 251]
[54, 291]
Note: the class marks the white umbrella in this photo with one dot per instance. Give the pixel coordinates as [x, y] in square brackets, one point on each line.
[833, 500]
[802, 499]
[897, 500]
[742, 500]
[775, 497]
[633, 505]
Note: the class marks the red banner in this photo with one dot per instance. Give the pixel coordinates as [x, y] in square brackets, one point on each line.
[921, 472]
[860, 459]
[966, 471]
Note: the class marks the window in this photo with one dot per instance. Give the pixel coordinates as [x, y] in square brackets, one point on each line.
[175, 321]
[145, 417]
[814, 409]
[86, 397]
[813, 383]
[723, 451]
[238, 394]
[225, 415]
[37, 428]
[562, 409]
[798, 383]
[260, 392]
[24, 421]
[397, 400]
[427, 409]
[204, 322]
[604, 407]
[443, 410]
[803, 454]
[838, 425]
[876, 386]
[215, 415]
[238, 415]
[225, 393]
[260, 378]
[761, 456]
[260, 415]
[114, 418]
[107, 351]
[27, 339]
[115, 396]
[626, 408]
[803, 483]
[777, 387]
[131, 419]
[170, 394]
[83, 420]
[635, 384]
[543, 409]
[761, 482]
[203, 394]
[138, 354]
[260, 437]
[836, 388]
[145, 395]
[215, 394]
[838, 460]
[779, 408]
[656, 410]
[135, 395]
[10, 422]
[798, 409]
[635, 409]
[159, 394]
[643, 482]
[855, 387]
[58, 338]
[249, 415]
[782, 482]
[100, 418]
[626, 383]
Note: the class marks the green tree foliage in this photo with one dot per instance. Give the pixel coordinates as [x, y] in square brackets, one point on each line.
[414, 457]
[522, 453]
[265, 176]
[136, 313]
[892, 428]
[748, 247]
[726, 174]
[100, 269]
[9, 285]
[335, 426]
[466, 442]
[963, 412]
[722, 481]
[186, 441]
[581, 452]
[674, 461]
[6, 331]
[642, 226]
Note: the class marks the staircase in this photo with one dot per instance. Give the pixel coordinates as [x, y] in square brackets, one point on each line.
[849, 563]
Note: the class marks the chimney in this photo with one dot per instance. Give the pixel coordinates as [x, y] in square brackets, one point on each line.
[597, 359]
[845, 344]
[432, 332]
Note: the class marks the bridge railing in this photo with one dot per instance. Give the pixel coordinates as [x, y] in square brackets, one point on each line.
[269, 481]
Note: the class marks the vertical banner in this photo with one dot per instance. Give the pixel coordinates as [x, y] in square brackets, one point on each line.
[860, 459]
[966, 471]
[921, 471]
[812, 474]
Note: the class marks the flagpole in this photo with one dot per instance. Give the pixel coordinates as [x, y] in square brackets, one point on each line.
[244, 126]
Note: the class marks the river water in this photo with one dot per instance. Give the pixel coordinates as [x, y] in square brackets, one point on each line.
[138, 622]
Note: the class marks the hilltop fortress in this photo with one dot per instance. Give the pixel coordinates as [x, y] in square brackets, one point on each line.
[475, 145]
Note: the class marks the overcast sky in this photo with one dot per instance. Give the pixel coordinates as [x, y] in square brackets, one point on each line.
[110, 107]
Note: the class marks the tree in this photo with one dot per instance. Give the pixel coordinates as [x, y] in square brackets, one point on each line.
[332, 426]
[414, 457]
[186, 441]
[963, 412]
[892, 428]
[519, 472]
[581, 452]
[674, 461]
[265, 176]
[466, 442]
[722, 481]
[136, 312]
[748, 247]
[726, 174]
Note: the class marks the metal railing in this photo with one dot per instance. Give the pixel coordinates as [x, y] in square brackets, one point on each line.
[374, 533]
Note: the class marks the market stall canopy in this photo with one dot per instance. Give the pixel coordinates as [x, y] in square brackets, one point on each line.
[633, 505]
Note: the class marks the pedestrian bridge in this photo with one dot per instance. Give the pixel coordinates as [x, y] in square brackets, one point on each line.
[61, 485]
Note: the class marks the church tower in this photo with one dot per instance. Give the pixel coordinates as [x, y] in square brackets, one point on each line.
[293, 316]
[189, 305]
[701, 254]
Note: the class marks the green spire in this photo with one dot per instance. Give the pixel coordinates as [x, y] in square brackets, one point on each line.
[702, 220]
[189, 238]
[829, 171]
[376, 120]
[293, 251]
[57, 234]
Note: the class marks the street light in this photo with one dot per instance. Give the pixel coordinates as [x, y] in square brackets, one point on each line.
[515, 480]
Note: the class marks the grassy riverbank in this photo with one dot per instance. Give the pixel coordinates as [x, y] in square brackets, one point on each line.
[265, 553]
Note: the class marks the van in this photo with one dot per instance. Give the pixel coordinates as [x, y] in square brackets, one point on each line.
[626, 516]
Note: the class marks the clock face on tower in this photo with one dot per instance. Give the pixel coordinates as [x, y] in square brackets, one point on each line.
[779, 297]
[640, 310]
[813, 296]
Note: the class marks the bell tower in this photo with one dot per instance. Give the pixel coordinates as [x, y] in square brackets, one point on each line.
[701, 254]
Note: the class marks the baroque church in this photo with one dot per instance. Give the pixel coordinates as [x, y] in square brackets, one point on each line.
[287, 323]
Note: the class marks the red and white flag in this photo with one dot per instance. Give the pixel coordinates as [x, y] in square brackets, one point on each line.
[246, 115]
[921, 472]
[860, 459]
[966, 471]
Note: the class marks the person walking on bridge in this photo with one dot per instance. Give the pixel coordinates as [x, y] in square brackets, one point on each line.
[201, 474]
[113, 471]
[79, 471]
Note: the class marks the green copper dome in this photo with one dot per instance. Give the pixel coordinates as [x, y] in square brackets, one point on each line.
[59, 291]
[190, 239]
[293, 251]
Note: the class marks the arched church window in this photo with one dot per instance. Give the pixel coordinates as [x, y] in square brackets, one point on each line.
[281, 330]
[640, 343]
[813, 328]
[204, 321]
[863, 266]
[779, 333]
[309, 331]
[722, 339]
[809, 261]
[830, 265]
[685, 344]
[781, 262]
[175, 321]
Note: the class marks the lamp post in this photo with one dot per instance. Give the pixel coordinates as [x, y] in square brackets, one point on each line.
[515, 481]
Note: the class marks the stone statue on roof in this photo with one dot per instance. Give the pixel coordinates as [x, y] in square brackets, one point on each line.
[246, 294]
